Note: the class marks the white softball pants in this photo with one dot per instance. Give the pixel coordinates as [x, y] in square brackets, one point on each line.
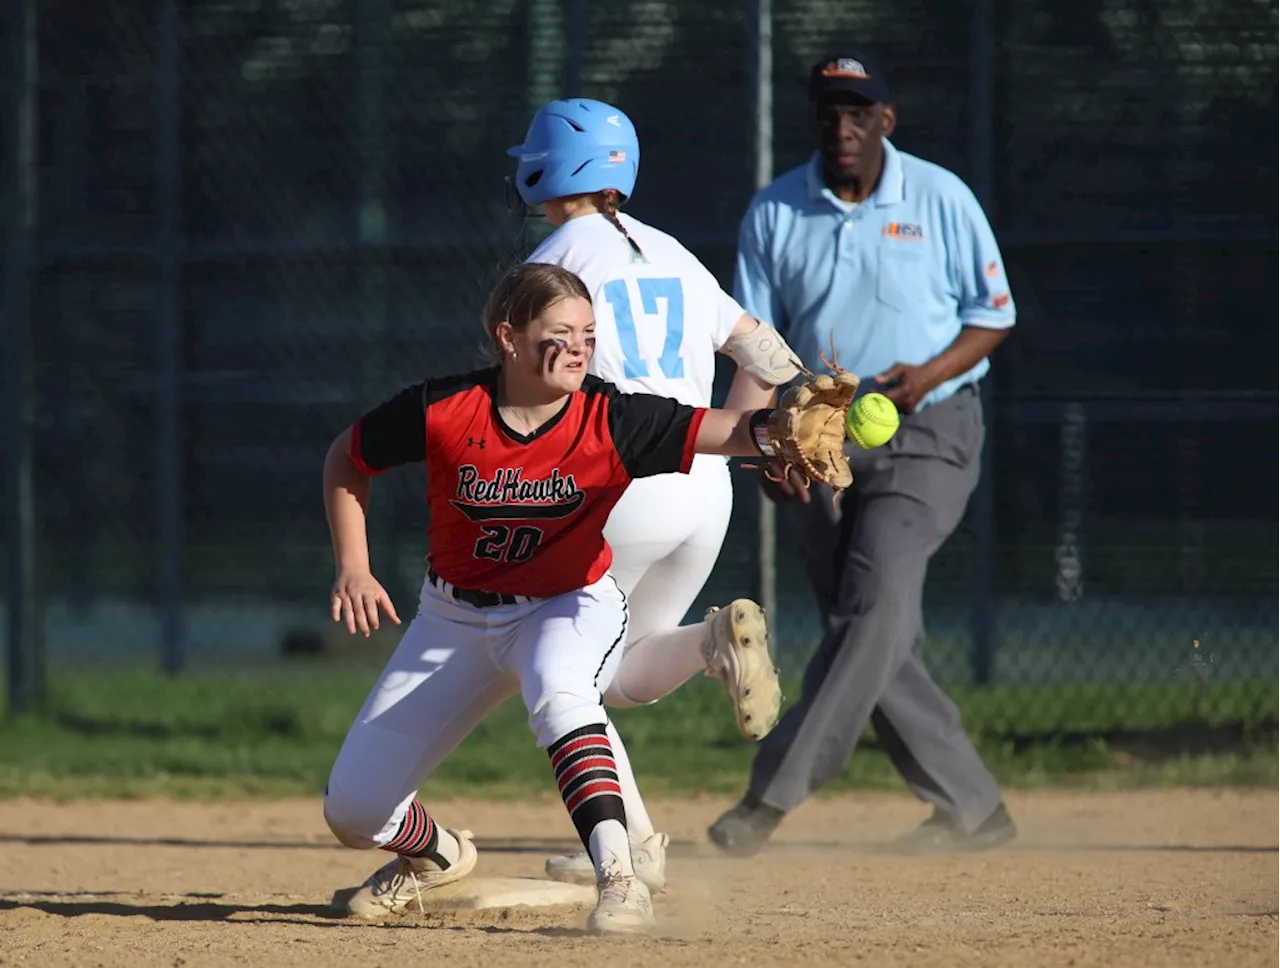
[666, 534]
[454, 665]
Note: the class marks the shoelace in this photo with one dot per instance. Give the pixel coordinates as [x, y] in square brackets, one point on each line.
[615, 890]
[395, 878]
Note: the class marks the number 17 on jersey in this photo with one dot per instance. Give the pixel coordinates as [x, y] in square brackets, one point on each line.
[661, 297]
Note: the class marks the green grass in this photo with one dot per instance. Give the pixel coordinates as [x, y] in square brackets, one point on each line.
[274, 731]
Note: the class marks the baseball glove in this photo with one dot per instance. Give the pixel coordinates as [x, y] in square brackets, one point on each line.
[807, 429]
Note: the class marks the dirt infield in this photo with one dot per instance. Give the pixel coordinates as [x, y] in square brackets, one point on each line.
[1159, 879]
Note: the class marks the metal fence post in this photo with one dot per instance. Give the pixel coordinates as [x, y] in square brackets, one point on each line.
[26, 663]
[168, 323]
[982, 181]
[762, 149]
[576, 29]
[1069, 555]
[1191, 467]
[373, 232]
[547, 53]
[551, 65]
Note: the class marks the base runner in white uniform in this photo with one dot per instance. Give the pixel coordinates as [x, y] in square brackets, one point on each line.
[661, 318]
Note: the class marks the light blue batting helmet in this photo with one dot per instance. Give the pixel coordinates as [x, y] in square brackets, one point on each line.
[576, 146]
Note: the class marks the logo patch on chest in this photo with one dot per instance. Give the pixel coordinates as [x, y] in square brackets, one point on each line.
[508, 495]
[904, 230]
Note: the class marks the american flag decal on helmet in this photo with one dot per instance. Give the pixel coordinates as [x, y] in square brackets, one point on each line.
[617, 156]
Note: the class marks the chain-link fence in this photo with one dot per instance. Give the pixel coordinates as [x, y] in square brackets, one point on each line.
[251, 220]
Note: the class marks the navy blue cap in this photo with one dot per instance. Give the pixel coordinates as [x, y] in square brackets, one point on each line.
[850, 71]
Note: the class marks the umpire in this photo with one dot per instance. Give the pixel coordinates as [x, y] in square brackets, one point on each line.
[890, 258]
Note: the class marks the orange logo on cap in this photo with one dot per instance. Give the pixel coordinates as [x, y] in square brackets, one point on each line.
[846, 67]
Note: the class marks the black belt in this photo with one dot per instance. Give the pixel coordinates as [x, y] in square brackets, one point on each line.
[470, 597]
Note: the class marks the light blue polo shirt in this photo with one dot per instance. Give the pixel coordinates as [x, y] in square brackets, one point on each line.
[892, 278]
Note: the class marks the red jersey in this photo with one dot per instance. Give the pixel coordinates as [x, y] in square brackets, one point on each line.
[515, 513]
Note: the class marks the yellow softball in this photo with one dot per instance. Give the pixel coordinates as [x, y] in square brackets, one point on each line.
[871, 421]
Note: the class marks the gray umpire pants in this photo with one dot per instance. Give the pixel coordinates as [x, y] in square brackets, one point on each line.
[867, 561]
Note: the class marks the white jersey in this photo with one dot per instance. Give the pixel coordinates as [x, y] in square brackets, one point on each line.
[660, 318]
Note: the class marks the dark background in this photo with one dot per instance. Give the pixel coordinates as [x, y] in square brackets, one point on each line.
[252, 220]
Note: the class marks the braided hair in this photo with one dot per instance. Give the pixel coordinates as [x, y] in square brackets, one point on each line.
[608, 205]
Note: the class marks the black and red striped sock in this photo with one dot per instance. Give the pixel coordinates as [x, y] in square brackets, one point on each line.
[588, 778]
[419, 836]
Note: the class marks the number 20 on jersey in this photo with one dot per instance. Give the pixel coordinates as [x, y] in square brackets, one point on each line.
[662, 297]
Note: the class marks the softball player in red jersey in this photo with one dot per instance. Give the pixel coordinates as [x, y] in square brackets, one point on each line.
[661, 320]
[524, 462]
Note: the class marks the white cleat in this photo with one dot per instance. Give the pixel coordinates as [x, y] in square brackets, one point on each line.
[649, 857]
[398, 886]
[736, 650]
[624, 907]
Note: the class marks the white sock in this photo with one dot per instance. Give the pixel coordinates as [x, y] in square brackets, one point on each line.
[447, 846]
[610, 849]
[639, 826]
[661, 662]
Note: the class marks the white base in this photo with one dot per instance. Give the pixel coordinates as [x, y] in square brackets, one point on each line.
[478, 893]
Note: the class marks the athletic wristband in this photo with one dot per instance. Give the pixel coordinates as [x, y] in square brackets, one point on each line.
[760, 433]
